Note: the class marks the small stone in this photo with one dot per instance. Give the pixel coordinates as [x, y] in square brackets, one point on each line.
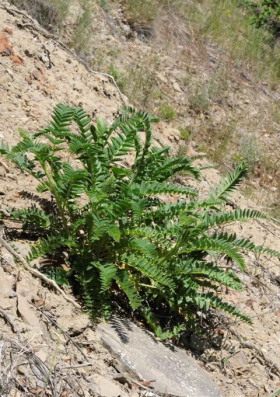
[176, 87]
[17, 59]
[6, 281]
[28, 78]
[6, 303]
[162, 78]
[238, 360]
[73, 325]
[28, 315]
[8, 30]
[105, 387]
[22, 370]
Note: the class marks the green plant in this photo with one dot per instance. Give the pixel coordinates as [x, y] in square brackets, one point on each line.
[275, 394]
[199, 101]
[104, 4]
[184, 134]
[229, 26]
[118, 76]
[249, 151]
[142, 11]
[125, 243]
[167, 112]
[265, 13]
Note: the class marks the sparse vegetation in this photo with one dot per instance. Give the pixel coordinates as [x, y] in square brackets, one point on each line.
[249, 151]
[199, 101]
[124, 243]
[142, 11]
[139, 81]
[184, 133]
[50, 14]
[166, 112]
[218, 142]
[265, 13]
[83, 31]
[226, 24]
[118, 76]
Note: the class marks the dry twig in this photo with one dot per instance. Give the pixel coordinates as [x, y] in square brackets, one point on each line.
[64, 332]
[4, 165]
[249, 345]
[37, 274]
[9, 321]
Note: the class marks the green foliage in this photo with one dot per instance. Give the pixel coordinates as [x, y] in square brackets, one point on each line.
[265, 13]
[118, 76]
[184, 134]
[275, 394]
[125, 244]
[167, 112]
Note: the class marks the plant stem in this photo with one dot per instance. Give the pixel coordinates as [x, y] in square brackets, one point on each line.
[53, 190]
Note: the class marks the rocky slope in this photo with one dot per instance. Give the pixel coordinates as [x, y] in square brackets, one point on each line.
[45, 337]
[211, 93]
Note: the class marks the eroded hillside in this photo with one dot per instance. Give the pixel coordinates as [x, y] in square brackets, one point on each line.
[36, 74]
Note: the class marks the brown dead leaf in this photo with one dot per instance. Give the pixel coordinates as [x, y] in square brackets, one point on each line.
[38, 302]
[249, 303]
[37, 75]
[28, 78]
[65, 267]
[65, 393]
[16, 59]
[5, 46]
[37, 391]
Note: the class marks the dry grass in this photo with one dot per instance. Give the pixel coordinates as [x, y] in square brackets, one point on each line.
[139, 82]
[50, 14]
[229, 26]
[83, 31]
[224, 22]
[22, 371]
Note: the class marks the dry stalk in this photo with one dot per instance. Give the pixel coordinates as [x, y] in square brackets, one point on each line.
[9, 321]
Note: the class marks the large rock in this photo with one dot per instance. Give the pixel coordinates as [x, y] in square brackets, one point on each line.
[175, 373]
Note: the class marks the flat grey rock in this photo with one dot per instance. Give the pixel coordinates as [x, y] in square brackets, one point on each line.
[175, 373]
